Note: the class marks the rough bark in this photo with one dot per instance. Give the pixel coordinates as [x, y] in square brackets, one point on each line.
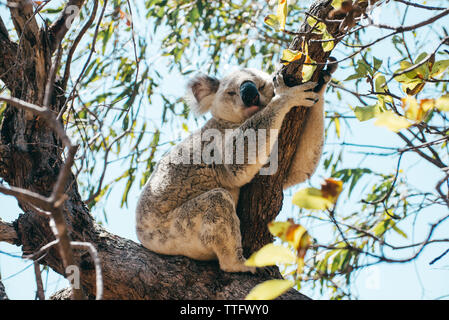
[3, 295]
[30, 158]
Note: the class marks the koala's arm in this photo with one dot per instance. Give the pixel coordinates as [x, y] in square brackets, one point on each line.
[308, 152]
[270, 118]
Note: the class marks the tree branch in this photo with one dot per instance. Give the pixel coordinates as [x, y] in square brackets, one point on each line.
[54, 203]
[8, 52]
[59, 28]
[8, 233]
[3, 295]
[24, 21]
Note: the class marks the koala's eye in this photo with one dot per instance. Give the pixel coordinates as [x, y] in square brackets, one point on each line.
[262, 87]
[231, 93]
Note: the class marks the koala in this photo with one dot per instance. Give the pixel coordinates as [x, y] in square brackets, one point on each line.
[188, 207]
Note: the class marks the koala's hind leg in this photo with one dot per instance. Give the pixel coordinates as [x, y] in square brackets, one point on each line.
[220, 231]
[203, 228]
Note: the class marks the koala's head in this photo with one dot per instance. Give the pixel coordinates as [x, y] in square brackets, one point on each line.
[234, 98]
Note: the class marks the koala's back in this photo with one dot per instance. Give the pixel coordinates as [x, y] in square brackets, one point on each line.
[172, 184]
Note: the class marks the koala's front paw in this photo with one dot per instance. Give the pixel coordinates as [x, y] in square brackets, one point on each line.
[302, 95]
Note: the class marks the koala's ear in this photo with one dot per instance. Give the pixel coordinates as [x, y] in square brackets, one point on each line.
[201, 92]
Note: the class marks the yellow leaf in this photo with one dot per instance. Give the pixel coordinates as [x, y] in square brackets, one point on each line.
[298, 237]
[337, 126]
[279, 228]
[270, 255]
[336, 4]
[411, 107]
[269, 290]
[312, 199]
[290, 56]
[300, 267]
[442, 103]
[329, 44]
[308, 69]
[318, 27]
[331, 189]
[282, 13]
[392, 121]
[273, 21]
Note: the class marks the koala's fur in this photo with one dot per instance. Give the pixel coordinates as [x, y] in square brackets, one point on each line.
[190, 209]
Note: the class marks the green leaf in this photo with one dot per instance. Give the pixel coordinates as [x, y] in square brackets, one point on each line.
[269, 290]
[377, 64]
[439, 67]
[362, 71]
[380, 85]
[381, 227]
[399, 231]
[367, 113]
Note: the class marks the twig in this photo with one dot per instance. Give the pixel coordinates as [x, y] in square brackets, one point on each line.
[439, 257]
[75, 44]
[40, 287]
[98, 274]
[417, 5]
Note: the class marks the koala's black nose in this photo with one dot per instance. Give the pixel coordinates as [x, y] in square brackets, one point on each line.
[249, 93]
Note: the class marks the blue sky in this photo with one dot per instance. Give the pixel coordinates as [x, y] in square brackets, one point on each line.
[416, 280]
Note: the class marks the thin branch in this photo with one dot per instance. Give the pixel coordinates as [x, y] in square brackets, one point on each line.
[59, 28]
[51, 78]
[98, 274]
[439, 257]
[40, 287]
[75, 44]
[92, 50]
[417, 5]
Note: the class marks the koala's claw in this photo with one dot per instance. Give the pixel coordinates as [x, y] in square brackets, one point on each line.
[307, 86]
[278, 80]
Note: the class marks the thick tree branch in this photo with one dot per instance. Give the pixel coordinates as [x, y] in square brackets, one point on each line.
[8, 52]
[24, 21]
[8, 233]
